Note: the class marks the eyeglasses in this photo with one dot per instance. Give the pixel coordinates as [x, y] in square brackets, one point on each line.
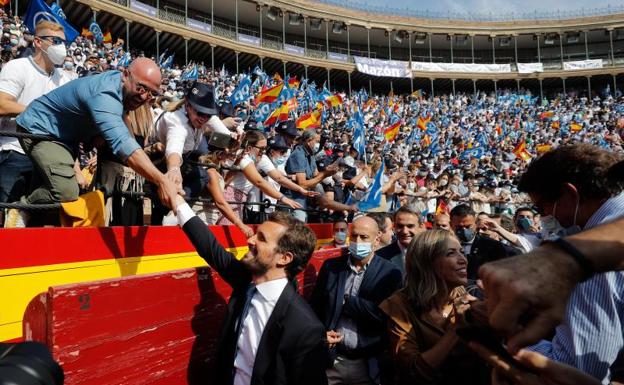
[143, 89]
[261, 150]
[53, 39]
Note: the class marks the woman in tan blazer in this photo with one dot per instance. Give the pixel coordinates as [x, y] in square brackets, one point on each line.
[423, 316]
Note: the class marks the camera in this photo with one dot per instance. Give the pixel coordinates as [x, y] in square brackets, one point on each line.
[28, 363]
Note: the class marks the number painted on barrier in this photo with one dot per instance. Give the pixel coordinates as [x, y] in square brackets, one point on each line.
[85, 301]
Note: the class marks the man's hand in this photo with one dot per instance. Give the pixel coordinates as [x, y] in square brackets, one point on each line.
[168, 193]
[333, 338]
[542, 370]
[175, 175]
[231, 123]
[291, 203]
[309, 193]
[527, 294]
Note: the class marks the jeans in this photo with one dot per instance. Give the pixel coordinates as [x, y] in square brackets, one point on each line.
[300, 214]
[15, 172]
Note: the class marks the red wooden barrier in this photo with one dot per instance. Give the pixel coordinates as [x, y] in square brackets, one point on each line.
[151, 329]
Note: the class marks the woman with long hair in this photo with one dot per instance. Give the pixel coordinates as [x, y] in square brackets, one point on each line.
[238, 184]
[424, 315]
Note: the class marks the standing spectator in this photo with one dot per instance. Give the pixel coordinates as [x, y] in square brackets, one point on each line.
[407, 224]
[424, 315]
[345, 298]
[384, 222]
[21, 82]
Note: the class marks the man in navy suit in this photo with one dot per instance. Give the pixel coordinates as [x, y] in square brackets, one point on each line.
[407, 224]
[270, 335]
[346, 296]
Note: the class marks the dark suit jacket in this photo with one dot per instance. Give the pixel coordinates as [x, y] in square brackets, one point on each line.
[485, 250]
[381, 279]
[392, 253]
[292, 348]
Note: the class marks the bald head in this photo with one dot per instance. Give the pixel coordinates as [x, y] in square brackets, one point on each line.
[141, 82]
[365, 230]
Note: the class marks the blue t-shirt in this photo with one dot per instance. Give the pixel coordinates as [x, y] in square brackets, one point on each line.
[300, 160]
[80, 110]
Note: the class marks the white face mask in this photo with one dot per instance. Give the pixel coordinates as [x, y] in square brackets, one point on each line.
[552, 229]
[56, 53]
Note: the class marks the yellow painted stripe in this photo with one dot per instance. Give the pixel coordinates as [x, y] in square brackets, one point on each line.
[20, 285]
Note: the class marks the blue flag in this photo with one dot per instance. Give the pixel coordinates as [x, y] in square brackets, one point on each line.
[168, 62]
[373, 200]
[192, 74]
[38, 10]
[242, 92]
[96, 31]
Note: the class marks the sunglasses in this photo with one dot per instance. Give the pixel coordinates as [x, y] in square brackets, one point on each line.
[261, 150]
[53, 39]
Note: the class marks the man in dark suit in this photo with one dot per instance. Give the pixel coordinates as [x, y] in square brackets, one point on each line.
[270, 335]
[346, 296]
[407, 224]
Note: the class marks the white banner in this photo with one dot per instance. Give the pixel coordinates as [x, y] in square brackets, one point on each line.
[337, 56]
[460, 67]
[247, 39]
[198, 25]
[529, 68]
[143, 8]
[294, 49]
[387, 68]
[582, 64]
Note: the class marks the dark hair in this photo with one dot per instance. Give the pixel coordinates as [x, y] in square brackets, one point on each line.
[252, 137]
[524, 208]
[407, 210]
[462, 211]
[380, 218]
[586, 166]
[297, 239]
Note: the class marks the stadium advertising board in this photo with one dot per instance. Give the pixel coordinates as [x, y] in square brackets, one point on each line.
[143, 8]
[582, 65]
[386, 68]
[529, 68]
[198, 25]
[248, 39]
[294, 49]
[460, 67]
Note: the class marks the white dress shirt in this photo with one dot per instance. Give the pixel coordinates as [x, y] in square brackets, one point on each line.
[262, 305]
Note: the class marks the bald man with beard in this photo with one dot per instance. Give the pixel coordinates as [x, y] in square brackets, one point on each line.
[92, 110]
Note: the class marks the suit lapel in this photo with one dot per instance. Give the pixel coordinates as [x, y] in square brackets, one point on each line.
[340, 291]
[271, 335]
[370, 275]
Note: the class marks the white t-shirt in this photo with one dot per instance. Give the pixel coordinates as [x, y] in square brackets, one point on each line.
[240, 181]
[173, 129]
[264, 167]
[26, 81]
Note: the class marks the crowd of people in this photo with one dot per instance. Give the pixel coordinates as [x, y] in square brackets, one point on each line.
[426, 195]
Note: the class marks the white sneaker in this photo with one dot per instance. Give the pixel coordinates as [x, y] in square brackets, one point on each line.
[16, 219]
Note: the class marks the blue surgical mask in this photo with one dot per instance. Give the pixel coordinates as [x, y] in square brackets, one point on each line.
[280, 160]
[340, 237]
[360, 250]
[524, 223]
[465, 235]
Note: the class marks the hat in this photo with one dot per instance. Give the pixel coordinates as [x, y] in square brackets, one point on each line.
[288, 128]
[278, 143]
[251, 125]
[201, 97]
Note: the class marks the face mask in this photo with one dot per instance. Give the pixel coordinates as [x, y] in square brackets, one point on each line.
[411, 186]
[14, 42]
[316, 147]
[68, 66]
[280, 160]
[552, 229]
[524, 223]
[443, 182]
[340, 237]
[465, 235]
[360, 250]
[56, 53]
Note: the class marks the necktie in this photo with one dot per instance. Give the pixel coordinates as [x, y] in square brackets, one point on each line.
[251, 290]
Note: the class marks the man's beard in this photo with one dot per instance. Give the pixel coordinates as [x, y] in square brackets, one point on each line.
[254, 266]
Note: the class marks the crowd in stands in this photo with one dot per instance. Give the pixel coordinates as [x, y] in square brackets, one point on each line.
[422, 191]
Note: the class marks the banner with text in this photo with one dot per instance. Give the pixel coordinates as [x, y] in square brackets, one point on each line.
[198, 25]
[582, 64]
[337, 56]
[387, 68]
[460, 67]
[248, 39]
[143, 8]
[295, 50]
[529, 68]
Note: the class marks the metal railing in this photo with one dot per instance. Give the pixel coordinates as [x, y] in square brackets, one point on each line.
[477, 16]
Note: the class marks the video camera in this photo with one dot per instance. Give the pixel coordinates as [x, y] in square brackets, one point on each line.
[28, 363]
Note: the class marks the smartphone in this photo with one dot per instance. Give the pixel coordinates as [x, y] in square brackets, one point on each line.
[220, 140]
[484, 335]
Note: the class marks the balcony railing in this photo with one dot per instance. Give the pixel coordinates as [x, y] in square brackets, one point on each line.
[490, 16]
[314, 51]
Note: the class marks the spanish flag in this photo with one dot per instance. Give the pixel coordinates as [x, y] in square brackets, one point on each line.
[108, 39]
[334, 101]
[555, 125]
[269, 95]
[425, 141]
[575, 127]
[422, 122]
[442, 208]
[293, 83]
[547, 115]
[391, 132]
[521, 152]
[279, 115]
[309, 120]
[417, 94]
[542, 148]
[86, 33]
[499, 130]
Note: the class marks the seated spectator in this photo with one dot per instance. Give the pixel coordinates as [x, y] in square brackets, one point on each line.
[341, 229]
[424, 315]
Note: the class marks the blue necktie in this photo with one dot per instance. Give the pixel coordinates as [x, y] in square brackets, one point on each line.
[251, 290]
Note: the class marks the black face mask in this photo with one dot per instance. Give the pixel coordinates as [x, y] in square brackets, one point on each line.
[465, 235]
